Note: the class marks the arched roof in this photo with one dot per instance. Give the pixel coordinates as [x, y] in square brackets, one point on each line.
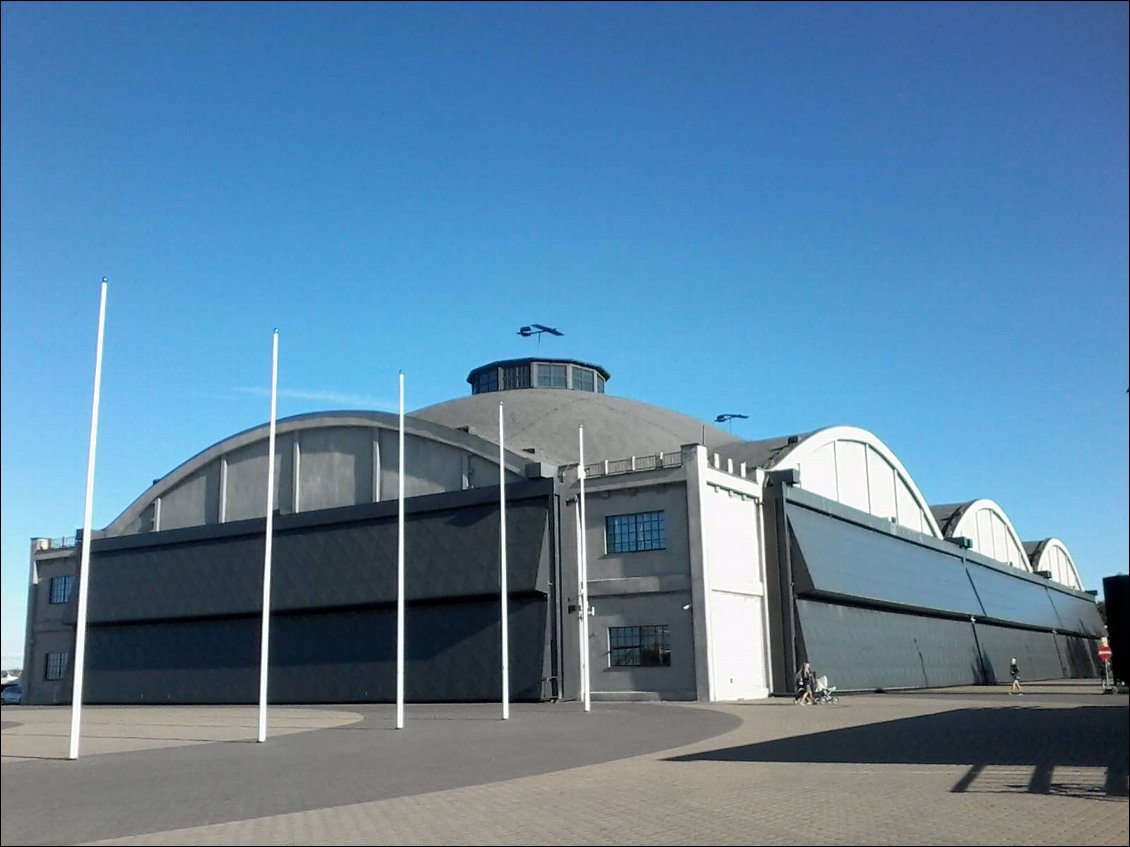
[1052, 555]
[471, 443]
[986, 524]
[546, 421]
[850, 465]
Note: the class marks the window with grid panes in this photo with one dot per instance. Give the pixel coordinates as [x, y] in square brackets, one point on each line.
[56, 665]
[516, 377]
[487, 382]
[61, 587]
[635, 533]
[639, 646]
[551, 376]
[582, 379]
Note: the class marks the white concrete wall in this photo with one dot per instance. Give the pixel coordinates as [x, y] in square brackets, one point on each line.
[727, 567]
[992, 534]
[733, 568]
[1058, 561]
[856, 474]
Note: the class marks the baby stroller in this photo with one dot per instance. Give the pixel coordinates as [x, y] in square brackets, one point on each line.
[824, 693]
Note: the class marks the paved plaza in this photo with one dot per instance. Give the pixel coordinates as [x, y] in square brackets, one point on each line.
[971, 765]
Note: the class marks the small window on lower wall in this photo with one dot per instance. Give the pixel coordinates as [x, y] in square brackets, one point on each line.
[639, 646]
[56, 665]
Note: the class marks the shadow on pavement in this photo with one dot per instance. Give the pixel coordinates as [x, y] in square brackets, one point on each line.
[1039, 739]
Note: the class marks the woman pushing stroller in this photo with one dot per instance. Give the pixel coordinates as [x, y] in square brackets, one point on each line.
[805, 685]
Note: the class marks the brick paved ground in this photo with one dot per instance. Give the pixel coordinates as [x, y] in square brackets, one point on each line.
[955, 766]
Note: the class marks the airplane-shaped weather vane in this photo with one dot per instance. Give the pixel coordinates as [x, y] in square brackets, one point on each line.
[538, 329]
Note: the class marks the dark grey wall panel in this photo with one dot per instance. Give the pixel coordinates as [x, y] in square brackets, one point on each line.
[849, 560]
[173, 662]
[866, 649]
[1079, 656]
[1036, 652]
[220, 577]
[836, 558]
[1011, 597]
[1077, 614]
[451, 655]
[449, 552]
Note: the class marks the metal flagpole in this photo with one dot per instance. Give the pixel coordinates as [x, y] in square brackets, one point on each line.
[584, 568]
[84, 559]
[502, 570]
[580, 616]
[400, 571]
[265, 636]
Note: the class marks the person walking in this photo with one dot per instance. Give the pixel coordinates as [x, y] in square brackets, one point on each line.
[1014, 671]
[805, 685]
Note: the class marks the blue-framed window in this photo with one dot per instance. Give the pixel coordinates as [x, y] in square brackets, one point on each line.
[634, 533]
[639, 646]
[61, 588]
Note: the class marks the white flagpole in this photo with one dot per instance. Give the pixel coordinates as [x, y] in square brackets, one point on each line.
[502, 568]
[580, 617]
[400, 571]
[265, 637]
[584, 568]
[84, 559]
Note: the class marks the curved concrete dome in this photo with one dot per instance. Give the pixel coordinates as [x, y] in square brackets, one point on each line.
[849, 465]
[543, 423]
[987, 526]
[1051, 556]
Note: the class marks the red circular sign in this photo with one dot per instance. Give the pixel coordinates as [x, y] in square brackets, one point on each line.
[1104, 653]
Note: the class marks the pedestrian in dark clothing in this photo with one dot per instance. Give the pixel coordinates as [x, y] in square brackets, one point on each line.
[805, 685]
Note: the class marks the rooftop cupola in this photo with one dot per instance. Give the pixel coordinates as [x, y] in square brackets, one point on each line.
[510, 374]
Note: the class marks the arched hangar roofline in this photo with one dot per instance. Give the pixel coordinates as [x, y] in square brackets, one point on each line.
[315, 420]
[814, 441]
[958, 523]
[1036, 551]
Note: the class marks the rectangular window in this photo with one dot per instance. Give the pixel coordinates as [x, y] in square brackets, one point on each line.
[516, 377]
[487, 381]
[639, 646]
[633, 533]
[61, 587]
[582, 379]
[551, 376]
[56, 665]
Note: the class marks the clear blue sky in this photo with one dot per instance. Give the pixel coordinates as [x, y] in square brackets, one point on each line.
[908, 218]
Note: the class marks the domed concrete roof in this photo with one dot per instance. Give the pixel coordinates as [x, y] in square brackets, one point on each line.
[546, 420]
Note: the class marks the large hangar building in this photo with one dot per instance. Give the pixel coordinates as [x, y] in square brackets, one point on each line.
[715, 565]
